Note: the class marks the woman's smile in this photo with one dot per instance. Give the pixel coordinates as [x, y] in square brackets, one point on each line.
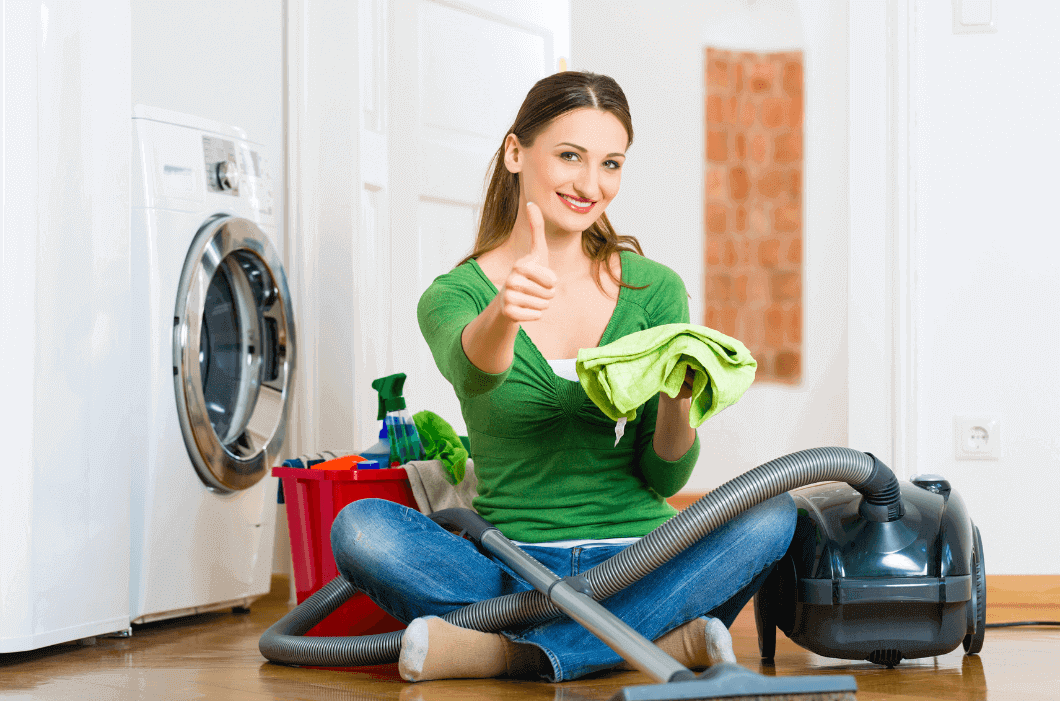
[578, 204]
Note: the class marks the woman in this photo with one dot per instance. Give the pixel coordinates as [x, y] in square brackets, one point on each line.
[548, 275]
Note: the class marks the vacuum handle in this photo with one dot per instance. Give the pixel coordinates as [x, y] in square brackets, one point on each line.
[571, 600]
[463, 519]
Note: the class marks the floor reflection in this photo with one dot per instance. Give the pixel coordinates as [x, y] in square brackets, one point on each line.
[216, 656]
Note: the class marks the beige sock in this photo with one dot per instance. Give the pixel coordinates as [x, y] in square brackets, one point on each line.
[434, 649]
[701, 642]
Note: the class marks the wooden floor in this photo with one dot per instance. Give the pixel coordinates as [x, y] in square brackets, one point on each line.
[215, 656]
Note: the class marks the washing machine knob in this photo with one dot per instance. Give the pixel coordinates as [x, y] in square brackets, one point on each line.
[227, 175]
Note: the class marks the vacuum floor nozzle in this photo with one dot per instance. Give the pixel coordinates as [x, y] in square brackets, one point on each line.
[730, 681]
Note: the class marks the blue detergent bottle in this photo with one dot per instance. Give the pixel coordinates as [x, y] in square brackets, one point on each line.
[379, 451]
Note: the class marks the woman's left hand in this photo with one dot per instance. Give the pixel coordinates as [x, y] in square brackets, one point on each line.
[686, 388]
[673, 434]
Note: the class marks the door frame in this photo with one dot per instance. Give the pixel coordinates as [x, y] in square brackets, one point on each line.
[321, 103]
[882, 292]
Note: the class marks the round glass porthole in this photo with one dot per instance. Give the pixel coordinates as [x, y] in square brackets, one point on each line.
[233, 353]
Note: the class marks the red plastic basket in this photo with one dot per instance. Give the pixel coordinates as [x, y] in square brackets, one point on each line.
[314, 498]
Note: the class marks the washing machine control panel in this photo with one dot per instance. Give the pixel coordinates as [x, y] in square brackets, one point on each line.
[234, 168]
[222, 165]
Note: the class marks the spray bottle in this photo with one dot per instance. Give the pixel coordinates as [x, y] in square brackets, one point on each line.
[379, 451]
[401, 430]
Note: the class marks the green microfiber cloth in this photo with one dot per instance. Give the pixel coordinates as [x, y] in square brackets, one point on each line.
[440, 442]
[622, 375]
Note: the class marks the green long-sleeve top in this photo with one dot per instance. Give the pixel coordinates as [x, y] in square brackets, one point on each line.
[545, 455]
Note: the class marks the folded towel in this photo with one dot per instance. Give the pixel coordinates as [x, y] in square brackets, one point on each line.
[440, 442]
[429, 480]
[304, 461]
[622, 375]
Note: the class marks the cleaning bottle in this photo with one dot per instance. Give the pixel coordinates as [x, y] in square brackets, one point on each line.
[400, 428]
[380, 451]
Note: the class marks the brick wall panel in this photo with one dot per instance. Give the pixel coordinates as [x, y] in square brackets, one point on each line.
[753, 205]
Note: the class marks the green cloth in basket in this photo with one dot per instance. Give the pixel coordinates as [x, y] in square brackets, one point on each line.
[440, 442]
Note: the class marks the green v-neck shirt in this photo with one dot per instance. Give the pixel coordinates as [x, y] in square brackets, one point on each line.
[545, 455]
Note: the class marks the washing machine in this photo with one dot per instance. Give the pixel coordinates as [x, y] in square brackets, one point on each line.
[214, 342]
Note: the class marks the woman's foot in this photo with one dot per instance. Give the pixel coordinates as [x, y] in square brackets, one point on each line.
[718, 643]
[434, 649]
[702, 642]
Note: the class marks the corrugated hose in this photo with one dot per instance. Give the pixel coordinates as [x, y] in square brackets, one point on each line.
[285, 641]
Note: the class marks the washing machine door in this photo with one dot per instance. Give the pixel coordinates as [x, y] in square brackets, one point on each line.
[233, 353]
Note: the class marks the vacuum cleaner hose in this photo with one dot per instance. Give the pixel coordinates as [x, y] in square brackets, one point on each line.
[284, 642]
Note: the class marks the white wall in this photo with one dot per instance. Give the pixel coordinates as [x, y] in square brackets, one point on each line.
[657, 58]
[217, 59]
[988, 321]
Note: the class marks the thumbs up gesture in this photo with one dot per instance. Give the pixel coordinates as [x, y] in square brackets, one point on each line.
[531, 283]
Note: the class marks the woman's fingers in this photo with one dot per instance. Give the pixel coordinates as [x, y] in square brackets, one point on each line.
[532, 279]
[521, 312]
[522, 299]
[686, 386]
[528, 301]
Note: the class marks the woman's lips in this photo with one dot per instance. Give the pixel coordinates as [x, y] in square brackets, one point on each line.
[577, 204]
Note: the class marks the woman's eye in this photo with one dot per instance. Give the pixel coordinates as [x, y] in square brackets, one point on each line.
[613, 165]
[568, 155]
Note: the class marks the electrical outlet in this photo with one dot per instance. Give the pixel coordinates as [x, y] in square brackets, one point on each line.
[974, 17]
[977, 437]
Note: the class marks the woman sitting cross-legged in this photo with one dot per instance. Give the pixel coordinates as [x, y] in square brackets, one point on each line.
[548, 275]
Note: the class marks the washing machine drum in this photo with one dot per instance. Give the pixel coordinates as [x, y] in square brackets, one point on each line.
[233, 353]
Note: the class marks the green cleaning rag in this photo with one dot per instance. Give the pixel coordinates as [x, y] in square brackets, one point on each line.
[622, 375]
[440, 442]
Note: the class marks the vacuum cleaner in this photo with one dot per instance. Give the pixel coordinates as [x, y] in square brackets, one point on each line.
[890, 517]
[858, 583]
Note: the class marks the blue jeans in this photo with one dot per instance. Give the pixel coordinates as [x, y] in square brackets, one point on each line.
[412, 567]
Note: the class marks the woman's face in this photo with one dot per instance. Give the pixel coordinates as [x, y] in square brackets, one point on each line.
[573, 168]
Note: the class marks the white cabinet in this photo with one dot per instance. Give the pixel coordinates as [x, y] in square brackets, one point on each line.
[68, 400]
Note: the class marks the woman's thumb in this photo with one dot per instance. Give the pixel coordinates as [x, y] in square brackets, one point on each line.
[538, 242]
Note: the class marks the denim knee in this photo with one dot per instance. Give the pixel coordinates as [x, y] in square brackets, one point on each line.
[364, 533]
[777, 518]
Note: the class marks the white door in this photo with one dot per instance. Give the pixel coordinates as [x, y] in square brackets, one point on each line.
[441, 82]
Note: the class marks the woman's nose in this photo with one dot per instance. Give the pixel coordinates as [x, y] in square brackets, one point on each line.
[588, 183]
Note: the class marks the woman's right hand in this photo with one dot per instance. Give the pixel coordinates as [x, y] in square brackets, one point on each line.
[489, 340]
[531, 284]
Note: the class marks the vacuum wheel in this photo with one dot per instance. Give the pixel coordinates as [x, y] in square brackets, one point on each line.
[973, 642]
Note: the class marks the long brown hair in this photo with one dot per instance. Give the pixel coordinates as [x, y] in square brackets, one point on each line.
[552, 97]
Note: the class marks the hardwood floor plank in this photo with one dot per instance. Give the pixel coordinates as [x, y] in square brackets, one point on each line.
[1042, 591]
[215, 656]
